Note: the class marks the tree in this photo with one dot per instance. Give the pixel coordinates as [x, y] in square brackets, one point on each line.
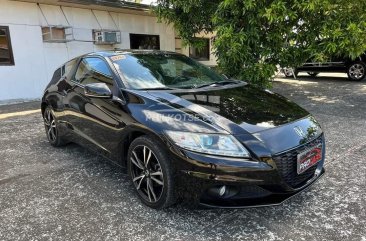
[253, 36]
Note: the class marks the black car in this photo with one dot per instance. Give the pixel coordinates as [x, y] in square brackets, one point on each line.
[183, 132]
[355, 69]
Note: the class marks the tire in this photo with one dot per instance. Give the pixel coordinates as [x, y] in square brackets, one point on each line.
[356, 71]
[312, 74]
[151, 173]
[51, 127]
[287, 72]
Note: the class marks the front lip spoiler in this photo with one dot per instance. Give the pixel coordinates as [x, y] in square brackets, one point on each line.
[272, 200]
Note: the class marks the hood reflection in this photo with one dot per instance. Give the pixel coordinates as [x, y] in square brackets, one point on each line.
[250, 108]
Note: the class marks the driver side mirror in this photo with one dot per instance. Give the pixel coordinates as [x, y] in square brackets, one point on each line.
[98, 90]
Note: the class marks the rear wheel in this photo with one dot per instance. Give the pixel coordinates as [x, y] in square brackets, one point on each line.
[356, 71]
[313, 74]
[51, 127]
[151, 173]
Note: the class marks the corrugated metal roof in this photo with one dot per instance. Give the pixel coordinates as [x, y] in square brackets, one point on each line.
[110, 3]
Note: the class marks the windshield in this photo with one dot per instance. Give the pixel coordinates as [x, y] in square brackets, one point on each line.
[163, 71]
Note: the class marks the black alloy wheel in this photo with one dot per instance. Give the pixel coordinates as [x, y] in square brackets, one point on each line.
[50, 124]
[150, 172]
[357, 71]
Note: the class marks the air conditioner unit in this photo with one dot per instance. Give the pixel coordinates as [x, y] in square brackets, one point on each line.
[106, 37]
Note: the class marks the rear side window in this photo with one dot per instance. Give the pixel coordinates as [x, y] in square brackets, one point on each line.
[93, 70]
[66, 69]
[56, 75]
[63, 70]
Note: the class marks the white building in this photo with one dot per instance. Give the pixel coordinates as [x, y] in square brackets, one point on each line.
[38, 36]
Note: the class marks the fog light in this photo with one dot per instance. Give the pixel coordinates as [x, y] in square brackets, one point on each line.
[222, 191]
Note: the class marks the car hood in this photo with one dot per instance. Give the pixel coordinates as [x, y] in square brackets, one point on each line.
[238, 110]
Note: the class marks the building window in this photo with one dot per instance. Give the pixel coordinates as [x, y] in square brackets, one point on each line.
[202, 53]
[144, 41]
[6, 52]
[57, 34]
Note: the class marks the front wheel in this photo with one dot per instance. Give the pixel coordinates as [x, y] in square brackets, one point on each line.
[356, 71]
[151, 172]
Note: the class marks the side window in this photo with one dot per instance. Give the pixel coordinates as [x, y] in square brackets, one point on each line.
[93, 70]
[56, 76]
[68, 67]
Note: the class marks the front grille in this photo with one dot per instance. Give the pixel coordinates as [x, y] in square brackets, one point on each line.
[286, 163]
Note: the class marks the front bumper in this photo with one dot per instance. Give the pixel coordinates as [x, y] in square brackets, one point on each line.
[248, 183]
[272, 199]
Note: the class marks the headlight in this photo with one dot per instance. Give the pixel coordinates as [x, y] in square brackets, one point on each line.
[215, 144]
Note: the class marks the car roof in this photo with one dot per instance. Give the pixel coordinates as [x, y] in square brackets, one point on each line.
[109, 53]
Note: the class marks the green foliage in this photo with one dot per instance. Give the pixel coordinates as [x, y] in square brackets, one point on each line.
[253, 36]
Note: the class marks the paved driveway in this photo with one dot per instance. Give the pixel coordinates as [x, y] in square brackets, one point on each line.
[69, 194]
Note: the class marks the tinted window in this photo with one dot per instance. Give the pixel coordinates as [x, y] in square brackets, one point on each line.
[68, 67]
[6, 53]
[56, 76]
[157, 70]
[93, 70]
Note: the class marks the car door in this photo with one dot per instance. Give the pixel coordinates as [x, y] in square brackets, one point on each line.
[337, 64]
[95, 121]
[332, 64]
[312, 66]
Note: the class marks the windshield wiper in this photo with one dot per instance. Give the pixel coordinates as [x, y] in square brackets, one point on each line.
[224, 82]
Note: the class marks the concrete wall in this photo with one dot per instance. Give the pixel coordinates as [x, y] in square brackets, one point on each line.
[36, 60]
